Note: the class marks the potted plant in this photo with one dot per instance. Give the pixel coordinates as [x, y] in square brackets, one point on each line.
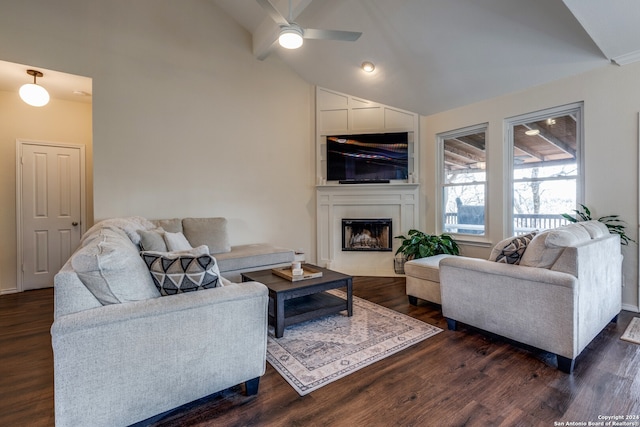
[613, 223]
[421, 245]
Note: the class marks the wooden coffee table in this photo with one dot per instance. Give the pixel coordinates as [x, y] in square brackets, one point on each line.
[295, 302]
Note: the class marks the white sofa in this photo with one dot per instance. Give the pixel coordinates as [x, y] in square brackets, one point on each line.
[122, 353]
[564, 291]
[232, 260]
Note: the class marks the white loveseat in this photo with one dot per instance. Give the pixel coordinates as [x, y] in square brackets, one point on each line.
[122, 353]
[564, 291]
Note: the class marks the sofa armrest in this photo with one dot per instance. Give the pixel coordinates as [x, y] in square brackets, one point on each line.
[170, 305]
[122, 363]
[484, 267]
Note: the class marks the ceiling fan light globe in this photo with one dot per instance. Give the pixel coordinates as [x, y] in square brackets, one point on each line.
[290, 38]
[34, 95]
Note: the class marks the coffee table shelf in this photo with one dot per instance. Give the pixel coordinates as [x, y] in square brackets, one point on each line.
[295, 302]
[309, 307]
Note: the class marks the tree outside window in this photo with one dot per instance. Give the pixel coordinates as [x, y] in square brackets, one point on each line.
[545, 169]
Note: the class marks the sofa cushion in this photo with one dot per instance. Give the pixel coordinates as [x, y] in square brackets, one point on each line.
[177, 242]
[546, 247]
[207, 231]
[153, 240]
[513, 251]
[183, 271]
[172, 225]
[129, 225]
[111, 268]
[94, 234]
[596, 229]
[253, 256]
[568, 235]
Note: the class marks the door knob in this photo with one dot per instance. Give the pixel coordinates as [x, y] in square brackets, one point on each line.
[74, 223]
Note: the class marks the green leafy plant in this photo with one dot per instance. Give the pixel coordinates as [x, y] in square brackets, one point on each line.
[613, 223]
[421, 245]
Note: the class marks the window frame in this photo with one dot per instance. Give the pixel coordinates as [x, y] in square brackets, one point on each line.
[576, 108]
[442, 184]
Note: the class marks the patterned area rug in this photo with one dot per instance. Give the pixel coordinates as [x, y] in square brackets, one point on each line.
[632, 333]
[315, 353]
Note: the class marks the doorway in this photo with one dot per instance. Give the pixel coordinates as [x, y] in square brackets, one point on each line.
[50, 208]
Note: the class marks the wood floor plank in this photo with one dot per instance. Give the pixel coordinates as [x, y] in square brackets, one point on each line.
[464, 377]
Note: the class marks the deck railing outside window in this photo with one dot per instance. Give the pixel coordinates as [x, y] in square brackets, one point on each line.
[523, 223]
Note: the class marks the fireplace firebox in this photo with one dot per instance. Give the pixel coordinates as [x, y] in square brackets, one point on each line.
[367, 234]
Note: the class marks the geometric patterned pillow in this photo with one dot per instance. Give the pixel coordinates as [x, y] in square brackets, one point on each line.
[513, 251]
[178, 273]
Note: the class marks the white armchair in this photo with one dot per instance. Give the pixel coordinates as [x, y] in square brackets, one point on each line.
[566, 289]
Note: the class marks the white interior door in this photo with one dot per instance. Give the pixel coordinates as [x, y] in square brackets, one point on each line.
[50, 197]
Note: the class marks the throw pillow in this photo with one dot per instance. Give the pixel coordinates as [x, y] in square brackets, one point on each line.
[176, 241]
[152, 240]
[495, 251]
[512, 252]
[185, 271]
[207, 231]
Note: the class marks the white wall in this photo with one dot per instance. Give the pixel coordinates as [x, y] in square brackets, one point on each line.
[186, 122]
[611, 98]
[59, 121]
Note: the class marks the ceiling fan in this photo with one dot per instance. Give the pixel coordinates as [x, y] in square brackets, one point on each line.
[292, 35]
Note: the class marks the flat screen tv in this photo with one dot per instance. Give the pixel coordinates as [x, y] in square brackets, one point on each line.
[364, 157]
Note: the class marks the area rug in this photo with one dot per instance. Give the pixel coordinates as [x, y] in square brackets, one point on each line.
[632, 333]
[317, 352]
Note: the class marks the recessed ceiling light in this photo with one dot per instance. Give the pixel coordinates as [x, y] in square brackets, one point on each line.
[368, 67]
[532, 132]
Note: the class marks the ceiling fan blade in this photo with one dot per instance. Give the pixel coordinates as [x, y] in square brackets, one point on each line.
[273, 12]
[349, 36]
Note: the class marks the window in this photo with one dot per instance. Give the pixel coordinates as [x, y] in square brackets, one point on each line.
[546, 167]
[463, 180]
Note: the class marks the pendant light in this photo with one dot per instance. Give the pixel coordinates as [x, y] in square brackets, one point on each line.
[32, 93]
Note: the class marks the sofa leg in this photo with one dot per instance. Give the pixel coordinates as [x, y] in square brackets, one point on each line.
[452, 324]
[615, 319]
[251, 386]
[413, 300]
[565, 364]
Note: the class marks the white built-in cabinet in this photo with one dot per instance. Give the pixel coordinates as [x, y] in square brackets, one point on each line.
[339, 114]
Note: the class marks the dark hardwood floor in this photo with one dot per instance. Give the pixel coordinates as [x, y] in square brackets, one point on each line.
[461, 378]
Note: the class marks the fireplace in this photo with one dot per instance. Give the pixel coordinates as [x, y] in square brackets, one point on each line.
[366, 234]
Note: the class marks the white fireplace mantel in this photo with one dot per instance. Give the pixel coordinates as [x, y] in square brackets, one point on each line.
[368, 201]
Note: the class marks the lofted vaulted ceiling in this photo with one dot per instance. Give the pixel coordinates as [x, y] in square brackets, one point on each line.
[430, 55]
[434, 55]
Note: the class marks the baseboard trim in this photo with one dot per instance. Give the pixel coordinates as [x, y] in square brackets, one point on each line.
[8, 291]
[629, 307]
